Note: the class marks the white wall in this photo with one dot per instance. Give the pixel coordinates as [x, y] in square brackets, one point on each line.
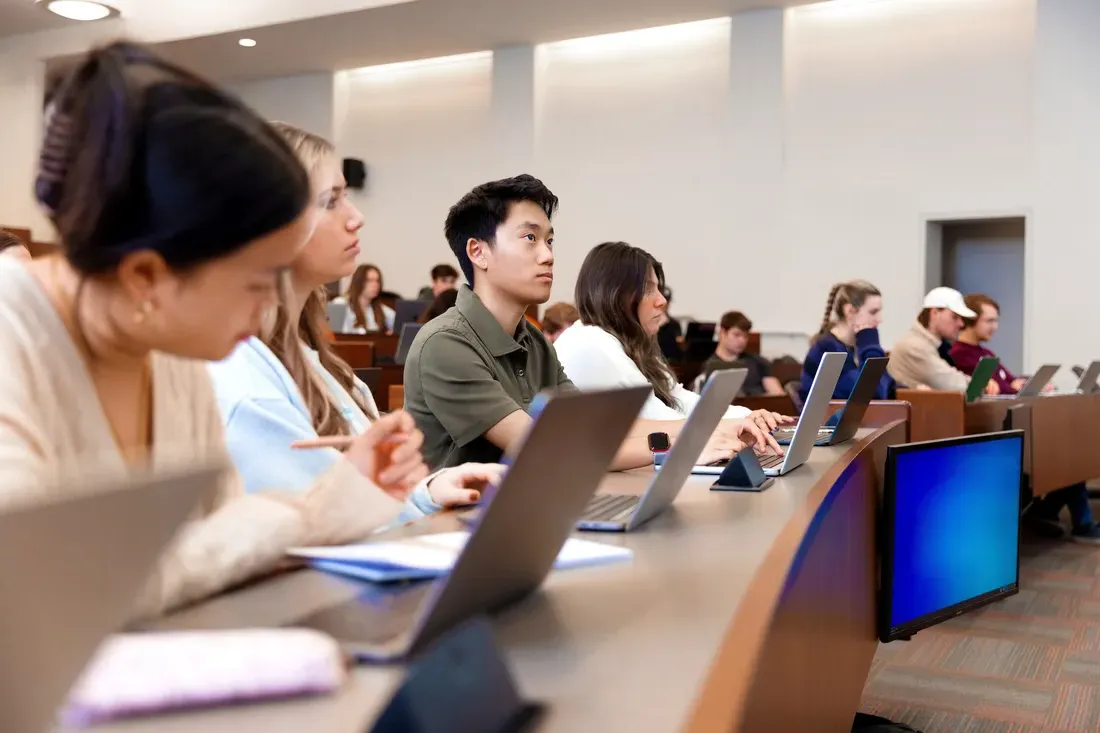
[898, 109]
[423, 130]
[307, 101]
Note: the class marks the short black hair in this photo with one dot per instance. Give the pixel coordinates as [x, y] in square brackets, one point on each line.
[444, 272]
[478, 214]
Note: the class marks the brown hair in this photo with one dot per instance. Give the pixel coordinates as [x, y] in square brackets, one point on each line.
[285, 339]
[559, 316]
[854, 293]
[974, 302]
[9, 240]
[439, 305]
[610, 285]
[355, 291]
[924, 318]
[735, 319]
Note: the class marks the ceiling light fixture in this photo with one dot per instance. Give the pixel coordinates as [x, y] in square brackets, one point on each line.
[79, 9]
[246, 42]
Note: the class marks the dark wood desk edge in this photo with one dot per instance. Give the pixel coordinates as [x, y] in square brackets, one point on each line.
[723, 701]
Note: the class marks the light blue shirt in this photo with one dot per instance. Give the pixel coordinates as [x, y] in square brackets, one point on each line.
[264, 412]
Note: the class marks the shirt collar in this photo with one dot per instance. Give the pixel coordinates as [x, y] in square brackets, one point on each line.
[926, 334]
[486, 327]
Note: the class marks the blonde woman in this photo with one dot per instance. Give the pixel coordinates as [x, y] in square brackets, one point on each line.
[288, 385]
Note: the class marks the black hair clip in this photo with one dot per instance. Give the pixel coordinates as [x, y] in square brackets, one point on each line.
[53, 161]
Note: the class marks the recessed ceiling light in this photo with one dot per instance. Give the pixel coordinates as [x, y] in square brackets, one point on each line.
[247, 42]
[79, 9]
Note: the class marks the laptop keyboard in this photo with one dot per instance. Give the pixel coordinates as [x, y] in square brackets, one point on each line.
[770, 460]
[604, 507]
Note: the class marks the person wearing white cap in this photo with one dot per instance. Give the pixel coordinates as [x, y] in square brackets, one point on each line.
[916, 360]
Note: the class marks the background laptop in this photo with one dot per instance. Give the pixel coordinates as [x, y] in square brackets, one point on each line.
[513, 545]
[69, 573]
[983, 372]
[624, 512]
[337, 315]
[851, 415]
[407, 311]
[404, 342]
[1035, 383]
[1087, 384]
[805, 434]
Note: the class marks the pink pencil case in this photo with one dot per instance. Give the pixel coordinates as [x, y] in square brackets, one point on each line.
[141, 674]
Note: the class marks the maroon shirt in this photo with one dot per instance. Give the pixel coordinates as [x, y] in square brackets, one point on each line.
[966, 358]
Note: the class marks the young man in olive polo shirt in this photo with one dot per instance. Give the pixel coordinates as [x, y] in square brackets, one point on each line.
[472, 372]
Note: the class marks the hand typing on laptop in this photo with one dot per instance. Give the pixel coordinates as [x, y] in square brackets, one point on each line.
[754, 429]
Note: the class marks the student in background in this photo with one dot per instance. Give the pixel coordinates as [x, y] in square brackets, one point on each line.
[733, 338]
[444, 278]
[920, 358]
[620, 300]
[557, 318]
[287, 384]
[177, 208]
[853, 312]
[472, 372]
[13, 246]
[366, 313]
[967, 351]
[439, 305]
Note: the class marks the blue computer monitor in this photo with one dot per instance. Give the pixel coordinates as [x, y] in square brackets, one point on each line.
[950, 529]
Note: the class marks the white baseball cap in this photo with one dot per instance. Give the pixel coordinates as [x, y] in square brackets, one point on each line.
[948, 298]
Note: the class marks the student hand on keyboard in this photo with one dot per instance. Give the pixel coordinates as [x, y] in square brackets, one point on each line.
[719, 449]
[754, 430]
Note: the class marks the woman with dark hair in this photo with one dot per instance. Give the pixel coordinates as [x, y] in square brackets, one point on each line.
[439, 305]
[366, 313]
[619, 295]
[177, 209]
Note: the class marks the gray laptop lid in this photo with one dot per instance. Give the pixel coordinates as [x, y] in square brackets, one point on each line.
[813, 411]
[1038, 380]
[404, 342]
[718, 394]
[1087, 384]
[529, 517]
[870, 374]
[337, 314]
[70, 571]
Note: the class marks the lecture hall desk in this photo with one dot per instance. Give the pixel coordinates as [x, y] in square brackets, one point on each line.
[747, 612]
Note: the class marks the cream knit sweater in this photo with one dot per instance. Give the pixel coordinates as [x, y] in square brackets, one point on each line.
[53, 431]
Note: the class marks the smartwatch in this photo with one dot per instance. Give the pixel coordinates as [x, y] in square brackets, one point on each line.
[659, 445]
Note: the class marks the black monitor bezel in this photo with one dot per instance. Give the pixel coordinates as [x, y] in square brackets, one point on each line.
[887, 632]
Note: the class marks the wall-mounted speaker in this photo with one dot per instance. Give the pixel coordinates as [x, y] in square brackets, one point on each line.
[355, 173]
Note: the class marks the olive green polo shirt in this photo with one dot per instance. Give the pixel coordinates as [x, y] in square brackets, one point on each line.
[465, 373]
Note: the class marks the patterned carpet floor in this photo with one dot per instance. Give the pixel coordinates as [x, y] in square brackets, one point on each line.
[1029, 664]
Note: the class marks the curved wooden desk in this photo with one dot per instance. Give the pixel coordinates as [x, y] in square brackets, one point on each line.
[740, 612]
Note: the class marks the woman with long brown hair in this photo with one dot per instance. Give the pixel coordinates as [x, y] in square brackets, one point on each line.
[619, 295]
[288, 385]
[366, 313]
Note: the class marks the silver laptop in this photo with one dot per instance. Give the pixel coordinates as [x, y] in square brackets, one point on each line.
[513, 545]
[1033, 387]
[851, 415]
[70, 570]
[405, 341]
[1087, 383]
[809, 422]
[337, 314]
[624, 512]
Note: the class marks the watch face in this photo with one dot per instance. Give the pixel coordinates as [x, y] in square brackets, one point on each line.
[659, 442]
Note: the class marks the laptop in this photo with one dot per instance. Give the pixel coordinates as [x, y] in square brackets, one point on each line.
[1087, 384]
[1033, 387]
[70, 570]
[851, 415]
[337, 314]
[983, 372]
[805, 433]
[624, 512]
[512, 547]
[407, 311]
[404, 342]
